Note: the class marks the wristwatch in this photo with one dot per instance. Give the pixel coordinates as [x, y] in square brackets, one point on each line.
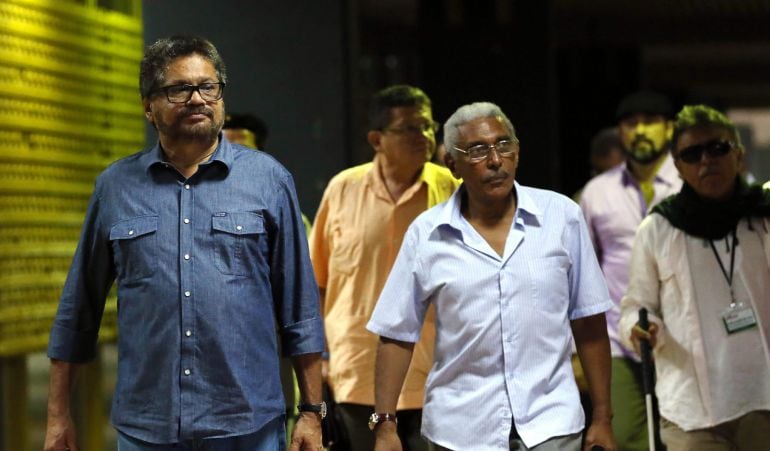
[377, 418]
[320, 409]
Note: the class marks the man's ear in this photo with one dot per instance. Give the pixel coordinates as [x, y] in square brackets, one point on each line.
[374, 137]
[148, 110]
[451, 164]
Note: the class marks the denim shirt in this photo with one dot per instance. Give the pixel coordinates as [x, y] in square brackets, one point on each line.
[207, 268]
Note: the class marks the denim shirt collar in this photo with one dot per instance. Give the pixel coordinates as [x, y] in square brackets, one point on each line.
[223, 155]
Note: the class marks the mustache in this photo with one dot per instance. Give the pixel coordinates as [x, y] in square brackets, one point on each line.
[199, 110]
[707, 170]
[499, 175]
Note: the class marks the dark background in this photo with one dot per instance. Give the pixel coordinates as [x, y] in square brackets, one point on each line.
[556, 67]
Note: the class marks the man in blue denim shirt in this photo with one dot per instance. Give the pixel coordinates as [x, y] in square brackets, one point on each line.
[205, 241]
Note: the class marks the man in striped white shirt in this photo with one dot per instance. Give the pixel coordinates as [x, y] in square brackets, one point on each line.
[510, 270]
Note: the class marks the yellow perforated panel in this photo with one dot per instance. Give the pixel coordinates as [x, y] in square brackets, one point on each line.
[70, 106]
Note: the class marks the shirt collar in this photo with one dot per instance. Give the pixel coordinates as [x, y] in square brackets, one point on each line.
[223, 154]
[667, 173]
[374, 177]
[450, 210]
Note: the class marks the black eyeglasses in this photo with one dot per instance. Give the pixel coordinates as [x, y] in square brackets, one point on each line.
[715, 148]
[480, 152]
[183, 93]
[430, 127]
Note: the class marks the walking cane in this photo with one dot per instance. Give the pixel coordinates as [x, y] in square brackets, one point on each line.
[644, 345]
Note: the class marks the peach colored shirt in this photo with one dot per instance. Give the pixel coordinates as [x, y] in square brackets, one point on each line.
[355, 239]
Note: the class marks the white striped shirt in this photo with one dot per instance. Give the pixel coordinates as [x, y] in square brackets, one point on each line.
[503, 332]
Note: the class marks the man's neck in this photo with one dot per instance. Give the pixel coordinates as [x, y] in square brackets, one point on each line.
[186, 156]
[398, 179]
[487, 213]
[644, 172]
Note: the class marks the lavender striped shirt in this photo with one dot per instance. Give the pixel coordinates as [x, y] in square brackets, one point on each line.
[614, 206]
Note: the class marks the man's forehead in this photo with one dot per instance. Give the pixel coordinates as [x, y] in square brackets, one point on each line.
[408, 112]
[190, 66]
[482, 125]
[698, 135]
[643, 117]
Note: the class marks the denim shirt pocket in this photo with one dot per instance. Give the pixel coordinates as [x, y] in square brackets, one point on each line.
[134, 244]
[236, 237]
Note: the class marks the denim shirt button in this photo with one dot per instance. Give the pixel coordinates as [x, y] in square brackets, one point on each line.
[187, 372]
[187, 187]
[187, 294]
[186, 220]
[186, 256]
[187, 333]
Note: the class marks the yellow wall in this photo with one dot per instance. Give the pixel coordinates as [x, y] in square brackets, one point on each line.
[69, 105]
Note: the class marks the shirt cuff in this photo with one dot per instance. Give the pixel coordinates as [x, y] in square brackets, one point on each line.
[71, 346]
[304, 337]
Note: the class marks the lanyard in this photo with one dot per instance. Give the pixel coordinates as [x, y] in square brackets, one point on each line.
[728, 277]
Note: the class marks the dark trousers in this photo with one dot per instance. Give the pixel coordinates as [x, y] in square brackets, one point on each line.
[355, 422]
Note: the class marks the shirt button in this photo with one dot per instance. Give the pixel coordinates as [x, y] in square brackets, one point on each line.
[187, 372]
[186, 256]
[186, 221]
[130, 232]
[187, 187]
[239, 228]
[187, 294]
[187, 333]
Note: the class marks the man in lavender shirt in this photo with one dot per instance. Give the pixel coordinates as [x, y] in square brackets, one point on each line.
[614, 204]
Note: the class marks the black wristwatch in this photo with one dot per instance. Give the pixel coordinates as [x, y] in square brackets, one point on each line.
[320, 409]
[376, 418]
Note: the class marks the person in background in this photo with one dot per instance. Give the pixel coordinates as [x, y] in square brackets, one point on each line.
[251, 131]
[358, 230]
[614, 204]
[513, 277]
[701, 267]
[606, 152]
[205, 243]
[246, 129]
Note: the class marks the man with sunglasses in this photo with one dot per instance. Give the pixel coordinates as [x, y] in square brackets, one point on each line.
[512, 275]
[614, 204]
[205, 243]
[701, 267]
[358, 229]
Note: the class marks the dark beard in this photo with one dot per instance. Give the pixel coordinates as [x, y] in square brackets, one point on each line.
[647, 154]
[176, 132]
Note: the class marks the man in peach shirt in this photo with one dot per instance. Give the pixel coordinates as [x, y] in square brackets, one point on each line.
[357, 233]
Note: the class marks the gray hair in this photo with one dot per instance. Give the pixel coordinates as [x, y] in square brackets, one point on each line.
[468, 113]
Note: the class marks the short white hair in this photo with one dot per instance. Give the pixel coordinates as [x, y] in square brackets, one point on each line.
[468, 113]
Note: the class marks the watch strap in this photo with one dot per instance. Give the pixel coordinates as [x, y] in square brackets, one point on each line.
[315, 408]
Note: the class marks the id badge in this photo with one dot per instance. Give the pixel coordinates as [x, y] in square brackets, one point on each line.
[739, 316]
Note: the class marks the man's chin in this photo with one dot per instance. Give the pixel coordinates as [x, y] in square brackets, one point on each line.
[644, 157]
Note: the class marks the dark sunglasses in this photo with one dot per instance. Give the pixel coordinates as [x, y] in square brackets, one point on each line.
[715, 148]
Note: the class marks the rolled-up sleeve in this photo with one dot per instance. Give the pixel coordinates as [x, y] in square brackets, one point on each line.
[401, 307]
[75, 328]
[294, 287]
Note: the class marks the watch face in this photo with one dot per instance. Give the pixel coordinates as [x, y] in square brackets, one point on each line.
[373, 420]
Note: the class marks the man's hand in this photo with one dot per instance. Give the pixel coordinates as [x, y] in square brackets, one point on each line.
[60, 434]
[307, 433]
[637, 334]
[600, 434]
[387, 437]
